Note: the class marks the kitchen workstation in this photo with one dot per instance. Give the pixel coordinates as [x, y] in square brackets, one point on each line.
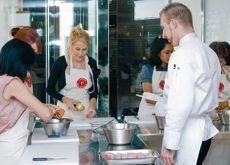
[106, 141]
[114, 82]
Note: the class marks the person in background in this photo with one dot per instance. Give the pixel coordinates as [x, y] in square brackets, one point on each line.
[153, 74]
[28, 35]
[76, 78]
[15, 97]
[227, 57]
[191, 89]
[224, 86]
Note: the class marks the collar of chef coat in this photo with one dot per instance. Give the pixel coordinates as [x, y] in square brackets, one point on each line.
[187, 37]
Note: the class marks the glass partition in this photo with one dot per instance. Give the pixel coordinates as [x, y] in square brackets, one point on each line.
[131, 31]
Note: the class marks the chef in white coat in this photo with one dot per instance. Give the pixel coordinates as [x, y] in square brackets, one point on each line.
[152, 76]
[191, 88]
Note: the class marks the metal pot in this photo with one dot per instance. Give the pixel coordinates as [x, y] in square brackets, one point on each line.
[119, 133]
[224, 116]
[160, 122]
[56, 127]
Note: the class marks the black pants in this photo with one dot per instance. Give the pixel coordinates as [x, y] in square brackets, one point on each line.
[203, 151]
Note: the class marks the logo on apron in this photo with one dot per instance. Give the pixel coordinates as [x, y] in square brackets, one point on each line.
[81, 83]
[162, 84]
[221, 87]
[28, 80]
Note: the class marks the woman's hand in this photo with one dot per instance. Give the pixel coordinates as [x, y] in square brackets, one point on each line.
[91, 113]
[70, 102]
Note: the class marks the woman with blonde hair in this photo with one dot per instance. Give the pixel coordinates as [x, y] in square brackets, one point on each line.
[75, 76]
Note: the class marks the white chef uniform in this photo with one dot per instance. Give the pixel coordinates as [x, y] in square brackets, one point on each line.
[145, 109]
[192, 90]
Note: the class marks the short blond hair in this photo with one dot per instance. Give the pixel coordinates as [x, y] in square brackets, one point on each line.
[76, 34]
[179, 12]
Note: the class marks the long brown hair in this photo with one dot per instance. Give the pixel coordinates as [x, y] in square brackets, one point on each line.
[28, 35]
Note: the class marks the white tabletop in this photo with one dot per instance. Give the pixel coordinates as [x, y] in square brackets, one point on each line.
[69, 151]
[39, 136]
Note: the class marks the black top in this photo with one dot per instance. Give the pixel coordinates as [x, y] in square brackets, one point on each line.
[57, 77]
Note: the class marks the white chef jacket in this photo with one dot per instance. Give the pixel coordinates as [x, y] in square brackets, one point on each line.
[191, 88]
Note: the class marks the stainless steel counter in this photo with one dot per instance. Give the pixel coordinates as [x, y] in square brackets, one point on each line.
[148, 136]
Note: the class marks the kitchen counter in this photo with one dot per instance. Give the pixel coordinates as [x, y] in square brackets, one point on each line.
[148, 136]
[83, 146]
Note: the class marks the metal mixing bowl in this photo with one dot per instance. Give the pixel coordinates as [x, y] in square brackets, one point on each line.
[119, 133]
[56, 127]
[224, 116]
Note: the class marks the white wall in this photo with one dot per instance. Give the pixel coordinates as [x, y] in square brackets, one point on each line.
[4, 13]
[9, 18]
[217, 20]
[195, 7]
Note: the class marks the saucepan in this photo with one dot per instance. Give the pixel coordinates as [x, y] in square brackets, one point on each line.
[119, 133]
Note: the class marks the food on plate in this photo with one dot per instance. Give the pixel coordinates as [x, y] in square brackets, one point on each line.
[129, 155]
[79, 107]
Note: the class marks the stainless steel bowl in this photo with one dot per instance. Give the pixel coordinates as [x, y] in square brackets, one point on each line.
[119, 133]
[56, 127]
[160, 122]
[224, 116]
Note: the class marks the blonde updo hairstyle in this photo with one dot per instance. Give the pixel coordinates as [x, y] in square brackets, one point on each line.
[77, 34]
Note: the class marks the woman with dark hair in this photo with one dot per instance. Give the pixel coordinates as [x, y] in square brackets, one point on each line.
[153, 74]
[224, 87]
[16, 100]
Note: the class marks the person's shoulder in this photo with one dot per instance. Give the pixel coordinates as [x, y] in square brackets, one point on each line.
[15, 83]
[147, 68]
[61, 60]
[92, 60]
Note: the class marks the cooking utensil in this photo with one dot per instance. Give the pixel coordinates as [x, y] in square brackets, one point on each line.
[224, 116]
[160, 121]
[119, 133]
[47, 159]
[56, 127]
[102, 125]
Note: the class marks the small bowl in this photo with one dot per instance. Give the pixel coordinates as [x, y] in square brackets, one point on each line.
[56, 127]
